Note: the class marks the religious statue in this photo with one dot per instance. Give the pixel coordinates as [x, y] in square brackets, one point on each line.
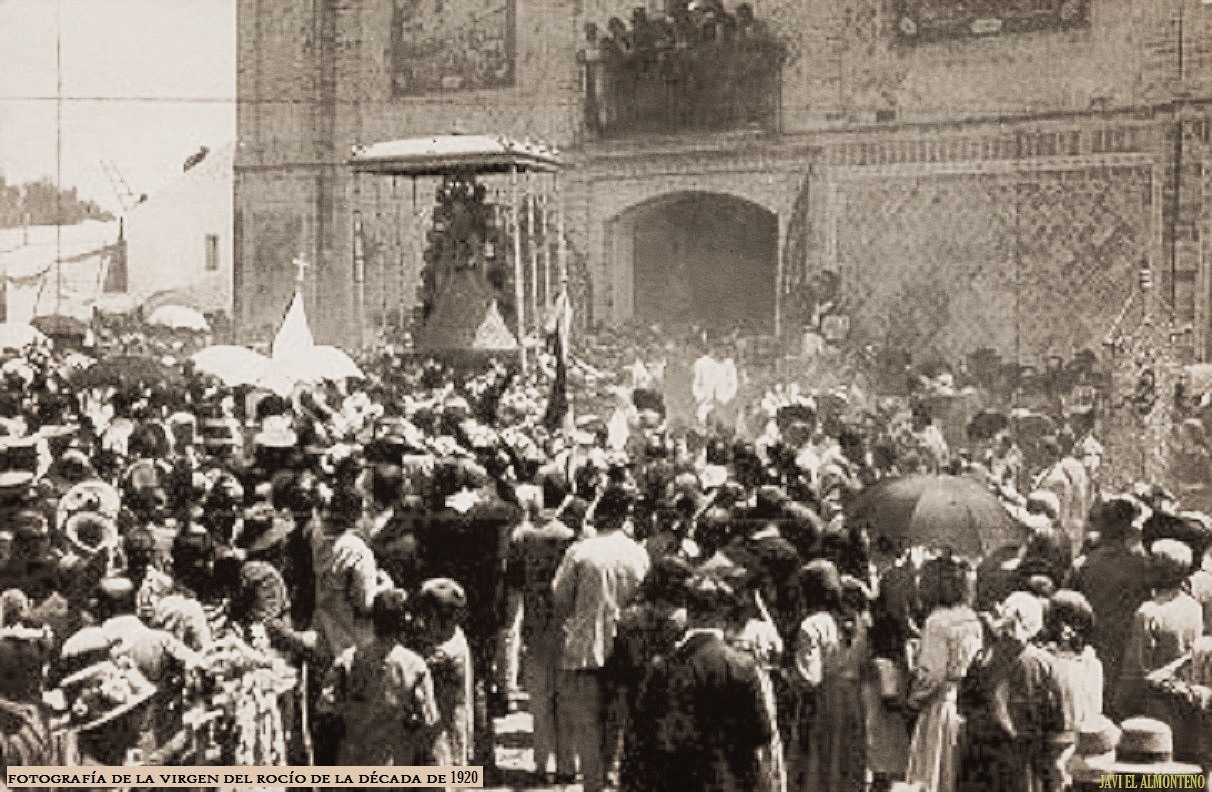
[466, 268]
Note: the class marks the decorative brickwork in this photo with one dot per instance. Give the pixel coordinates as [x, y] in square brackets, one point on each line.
[1025, 263]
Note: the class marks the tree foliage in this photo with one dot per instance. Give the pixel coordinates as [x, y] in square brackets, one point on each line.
[41, 203]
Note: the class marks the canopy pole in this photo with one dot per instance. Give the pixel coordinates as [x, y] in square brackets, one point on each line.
[533, 249]
[561, 244]
[414, 245]
[359, 263]
[519, 282]
[545, 234]
[378, 245]
[359, 256]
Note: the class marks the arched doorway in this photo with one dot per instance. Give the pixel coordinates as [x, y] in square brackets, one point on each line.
[703, 259]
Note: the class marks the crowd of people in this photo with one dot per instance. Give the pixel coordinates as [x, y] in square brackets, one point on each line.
[691, 51]
[368, 572]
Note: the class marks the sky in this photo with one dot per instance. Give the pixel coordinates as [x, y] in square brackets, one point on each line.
[145, 84]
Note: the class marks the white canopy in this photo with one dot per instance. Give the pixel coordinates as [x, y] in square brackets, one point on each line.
[442, 154]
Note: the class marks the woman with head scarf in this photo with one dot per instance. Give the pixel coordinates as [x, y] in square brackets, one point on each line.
[828, 750]
[951, 638]
[1011, 702]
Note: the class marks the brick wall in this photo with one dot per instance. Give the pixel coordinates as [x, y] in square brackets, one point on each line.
[989, 103]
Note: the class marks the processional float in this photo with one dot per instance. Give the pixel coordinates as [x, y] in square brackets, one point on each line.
[487, 255]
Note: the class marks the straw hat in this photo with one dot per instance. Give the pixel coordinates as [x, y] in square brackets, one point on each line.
[276, 433]
[1096, 741]
[15, 485]
[1145, 746]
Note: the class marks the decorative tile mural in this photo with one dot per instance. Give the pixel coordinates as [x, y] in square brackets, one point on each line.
[451, 45]
[925, 20]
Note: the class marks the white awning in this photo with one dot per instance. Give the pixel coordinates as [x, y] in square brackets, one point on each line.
[443, 154]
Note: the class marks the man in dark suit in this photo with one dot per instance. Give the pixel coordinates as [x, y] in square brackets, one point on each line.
[466, 539]
[704, 704]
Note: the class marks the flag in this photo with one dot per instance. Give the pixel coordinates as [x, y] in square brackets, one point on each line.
[558, 329]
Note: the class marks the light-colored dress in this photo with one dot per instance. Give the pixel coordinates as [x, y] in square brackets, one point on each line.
[761, 639]
[830, 746]
[951, 639]
[450, 666]
[1079, 676]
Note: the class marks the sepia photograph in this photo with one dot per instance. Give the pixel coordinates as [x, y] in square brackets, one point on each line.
[606, 395]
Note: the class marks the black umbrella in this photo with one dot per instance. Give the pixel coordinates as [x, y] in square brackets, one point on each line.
[60, 325]
[986, 424]
[939, 511]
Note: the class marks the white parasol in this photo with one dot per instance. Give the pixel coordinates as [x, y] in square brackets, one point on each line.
[178, 317]
[232, 365]
[18, 336]
[319, 363]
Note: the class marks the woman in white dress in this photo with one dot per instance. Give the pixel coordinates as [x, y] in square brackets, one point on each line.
[951, 638]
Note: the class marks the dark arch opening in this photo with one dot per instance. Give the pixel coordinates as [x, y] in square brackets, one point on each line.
[701, 259]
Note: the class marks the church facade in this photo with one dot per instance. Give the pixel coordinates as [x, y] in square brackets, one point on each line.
[949, 176]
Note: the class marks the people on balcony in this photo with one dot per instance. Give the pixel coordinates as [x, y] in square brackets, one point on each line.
[697, 65]
[684, 25]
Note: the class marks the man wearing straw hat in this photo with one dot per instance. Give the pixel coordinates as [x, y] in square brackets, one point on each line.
[1144, 758]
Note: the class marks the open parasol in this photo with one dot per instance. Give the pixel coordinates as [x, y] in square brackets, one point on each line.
[127, 370]
[318, 363]
[935, 511]
[18, 336]
[232, 365]
[178, 317]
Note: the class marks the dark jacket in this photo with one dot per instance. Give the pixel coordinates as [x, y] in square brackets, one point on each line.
[704, 707]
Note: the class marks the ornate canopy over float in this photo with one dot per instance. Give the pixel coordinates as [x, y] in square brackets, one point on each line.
[489, 246]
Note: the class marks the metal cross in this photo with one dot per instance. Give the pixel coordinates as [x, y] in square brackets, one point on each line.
[301, 264]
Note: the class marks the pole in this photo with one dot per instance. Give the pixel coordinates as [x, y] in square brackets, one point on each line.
[534, 251]
[415, 249]
[561, 245]
[359, 256]
[58, 158]
[305, 714]
[519, 276]
[545, 233]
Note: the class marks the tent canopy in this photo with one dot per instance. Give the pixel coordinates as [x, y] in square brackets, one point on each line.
[442, 154]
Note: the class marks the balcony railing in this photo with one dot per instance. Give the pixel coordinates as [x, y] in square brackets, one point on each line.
[683, 73]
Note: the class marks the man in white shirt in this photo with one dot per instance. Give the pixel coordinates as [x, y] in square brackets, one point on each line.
[598, 577]
[715, 388]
